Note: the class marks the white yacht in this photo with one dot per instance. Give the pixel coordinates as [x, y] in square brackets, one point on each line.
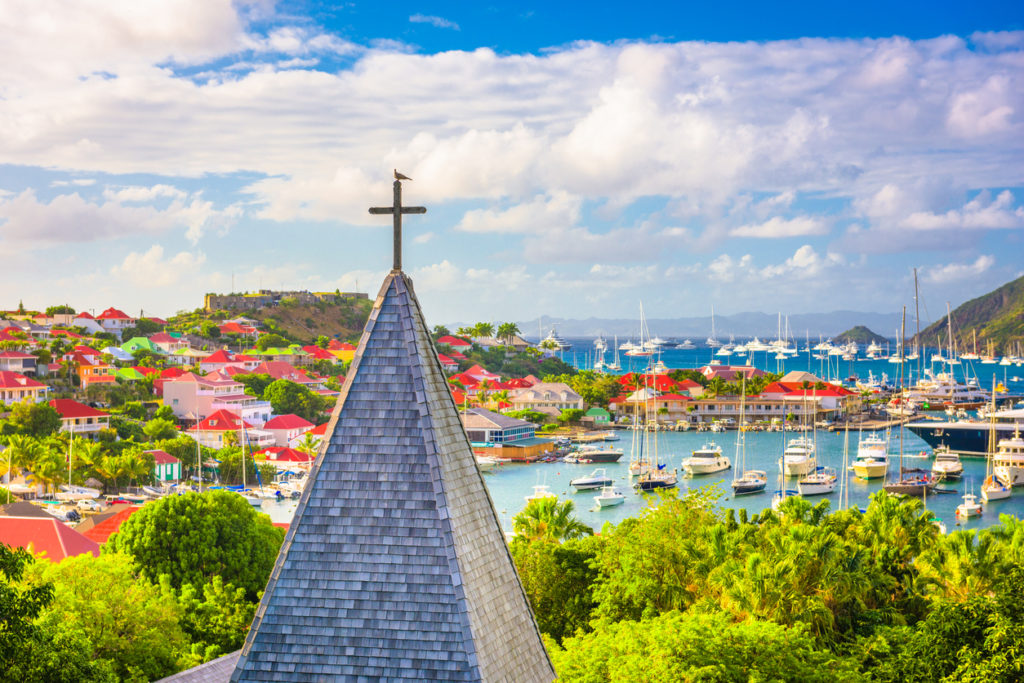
[947, 464]
[799, 459]
[706, 460]
[1008, 462]
[872, 458]
[609, 497]
[541, 491]
[971, 507]
[598, 479]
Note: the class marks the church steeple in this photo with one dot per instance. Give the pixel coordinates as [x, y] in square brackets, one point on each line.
[395, 565]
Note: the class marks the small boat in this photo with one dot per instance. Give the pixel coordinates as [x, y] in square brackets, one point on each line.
[752, 481]
[947, 464]
[75, 493]
[596, 454]
[869, 467]
[1008, 462]
[707, 459]
[609, 497]
[486, 463]
[89, 505]
[971, 507]
[912, 482]
[153, 492]
[661, 478]
[995, 488]
[254, 499]
[595, 480]
[823, 480]
[540, 491]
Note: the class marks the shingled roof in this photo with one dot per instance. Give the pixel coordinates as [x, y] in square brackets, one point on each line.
[395, 565]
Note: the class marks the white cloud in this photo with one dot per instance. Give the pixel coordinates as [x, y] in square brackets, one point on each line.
[141, 194]
[804, 263]
[539, 215]
[27, 222]
[782, 227]
[981, 213]
[439, 22]
[151, 270]
[955, 272]
[983, 111]
[423, 238]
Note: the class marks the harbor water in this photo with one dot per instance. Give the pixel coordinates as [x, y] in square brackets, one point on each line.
[509, 484]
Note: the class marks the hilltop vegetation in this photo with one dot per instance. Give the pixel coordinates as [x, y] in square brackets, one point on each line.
[341, 319]
[861, 335]
[997, 316]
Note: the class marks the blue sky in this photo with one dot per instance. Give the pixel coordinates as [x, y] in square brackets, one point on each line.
[576, 158]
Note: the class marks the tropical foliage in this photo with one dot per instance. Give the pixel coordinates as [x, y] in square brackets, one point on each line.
[689, 591]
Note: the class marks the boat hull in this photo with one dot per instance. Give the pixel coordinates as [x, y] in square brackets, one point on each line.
[609, 501]
[874, 470]
[965, 438]
[705, 466]
[794, 467]
[744, 488]
[600, 456]
[816, 488]
[589, 484]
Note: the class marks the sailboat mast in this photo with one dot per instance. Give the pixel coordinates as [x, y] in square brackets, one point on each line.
[903, 407]
[917, 320]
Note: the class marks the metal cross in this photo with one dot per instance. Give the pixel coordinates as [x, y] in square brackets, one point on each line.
[397, 210]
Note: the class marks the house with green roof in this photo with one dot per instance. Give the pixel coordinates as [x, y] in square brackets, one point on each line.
[136, 343]
[598, 415]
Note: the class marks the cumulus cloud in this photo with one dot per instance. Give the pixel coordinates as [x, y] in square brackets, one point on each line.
[539, 215]
[28, 222]
[782, 227]
[151, 270]
[981, 213]
[954, 272]
[804, 263]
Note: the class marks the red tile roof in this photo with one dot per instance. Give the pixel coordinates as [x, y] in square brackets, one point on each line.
[319, 430]
[108, 527]
[453, 341]
[158, 321]
[163, 458]
[113, 314]
[162, 337]
[47, 536]
[660, 382]
[88, 350]
[84, 315]
[15, 354]
[318, 353]
[219, 356]
[221, 421]
[287, 422]
[282, 454]
[70, 409]
[335, 345]
[15, 380]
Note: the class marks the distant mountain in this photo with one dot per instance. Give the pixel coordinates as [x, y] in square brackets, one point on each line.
[861, 335]
[998, 317]
[698, 329]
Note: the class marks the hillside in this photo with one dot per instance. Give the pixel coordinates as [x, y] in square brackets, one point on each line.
[343, 319]
[861, 335]
[997, 316]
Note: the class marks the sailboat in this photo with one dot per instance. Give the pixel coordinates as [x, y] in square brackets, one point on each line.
[712, 341]
[657, 476]
[254, 500]
[911, 482]
[614, 366]
[750, 481]
[798, 457]
[782, 493]
[994, 487]
[819, 482]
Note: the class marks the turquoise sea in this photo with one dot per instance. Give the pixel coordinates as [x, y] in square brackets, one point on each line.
[509, 484]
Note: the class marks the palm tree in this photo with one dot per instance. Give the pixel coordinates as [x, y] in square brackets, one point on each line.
[49, 468]
[507, 332]
[136, 466]
[549, 519]
[310, 444]
[483, 330]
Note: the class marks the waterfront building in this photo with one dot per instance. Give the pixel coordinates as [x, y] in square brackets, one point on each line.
[212, 432]
[546, 395]
[165, 466]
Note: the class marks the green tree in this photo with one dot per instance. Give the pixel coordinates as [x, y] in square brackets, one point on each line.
[57, 310]
[256, 383]
[164, 413]
[195, 537]
[440, 331]
[698, 647]
[215, 616]
[570, 415]
[483, 330]
[159, 428]
[322, 341]
[549, 519]
[558, 579]
[507, 332]
[34, 419]
[128, 621]
[271, 341]
[209, 330]
[20, 604]
[287, 397]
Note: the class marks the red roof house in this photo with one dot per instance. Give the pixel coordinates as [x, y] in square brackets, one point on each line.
[454, 342]
[49, 537]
